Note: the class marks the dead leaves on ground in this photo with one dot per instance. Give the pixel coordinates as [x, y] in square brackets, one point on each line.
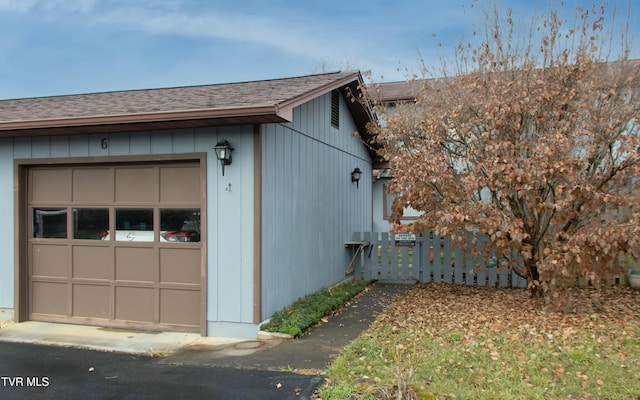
[457, 332]
[470, 312]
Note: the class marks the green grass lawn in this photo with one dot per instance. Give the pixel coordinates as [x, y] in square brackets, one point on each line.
[456, 342]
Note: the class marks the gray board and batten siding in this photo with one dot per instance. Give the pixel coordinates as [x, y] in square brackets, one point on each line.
[229, 220]
[311, 162]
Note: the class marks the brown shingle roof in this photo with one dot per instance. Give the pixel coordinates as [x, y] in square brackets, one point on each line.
[392, 91]
[168, 108]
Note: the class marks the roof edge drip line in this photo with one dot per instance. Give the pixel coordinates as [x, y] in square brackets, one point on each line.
[140, 118]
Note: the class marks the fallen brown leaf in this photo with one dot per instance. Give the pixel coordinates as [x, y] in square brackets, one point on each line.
[482, 312]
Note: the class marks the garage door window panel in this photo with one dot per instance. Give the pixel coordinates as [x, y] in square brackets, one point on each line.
[180, 225]
[134, 225]
[90, 223]
[50, 223]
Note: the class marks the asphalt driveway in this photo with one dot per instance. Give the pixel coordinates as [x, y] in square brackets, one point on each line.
[29, 371]
[234, 370]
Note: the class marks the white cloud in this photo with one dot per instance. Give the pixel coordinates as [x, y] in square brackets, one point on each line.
[243, 40]
[292, 38]
[17, 5]
[317, 33]
[48, 5]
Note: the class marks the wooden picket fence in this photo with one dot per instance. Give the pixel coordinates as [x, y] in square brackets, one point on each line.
[431, 258]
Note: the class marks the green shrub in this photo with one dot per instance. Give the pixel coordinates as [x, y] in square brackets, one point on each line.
[309, 310]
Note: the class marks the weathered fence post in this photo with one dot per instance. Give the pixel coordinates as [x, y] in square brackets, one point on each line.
[440, 253]
[426, 257]
[416, 258]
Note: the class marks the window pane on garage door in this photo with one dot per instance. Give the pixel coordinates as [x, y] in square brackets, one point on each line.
[50, 223]
[134, 225]
[179, 225]
[90, 223]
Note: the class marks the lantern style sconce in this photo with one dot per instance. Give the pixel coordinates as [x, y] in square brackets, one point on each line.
[356, 174]
[223, 153]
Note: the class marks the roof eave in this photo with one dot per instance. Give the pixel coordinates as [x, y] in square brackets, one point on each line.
[137, 118]
[286, 107]
[350, 84]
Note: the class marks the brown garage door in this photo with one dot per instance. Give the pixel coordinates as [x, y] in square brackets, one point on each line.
[116, 245]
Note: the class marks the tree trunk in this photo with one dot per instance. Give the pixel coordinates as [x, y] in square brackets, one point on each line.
[533, 279]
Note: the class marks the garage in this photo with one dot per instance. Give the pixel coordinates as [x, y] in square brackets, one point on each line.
[116, 244]
[196, 208]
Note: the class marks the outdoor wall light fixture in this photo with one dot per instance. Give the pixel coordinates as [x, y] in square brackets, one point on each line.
[356, 174]
[223, 153]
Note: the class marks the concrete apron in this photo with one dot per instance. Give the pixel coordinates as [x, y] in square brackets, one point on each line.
[108, 339]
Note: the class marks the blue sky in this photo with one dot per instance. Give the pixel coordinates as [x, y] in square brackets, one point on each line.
[52, 47]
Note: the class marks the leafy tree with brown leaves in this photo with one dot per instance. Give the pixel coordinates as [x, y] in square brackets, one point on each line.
[532, 142]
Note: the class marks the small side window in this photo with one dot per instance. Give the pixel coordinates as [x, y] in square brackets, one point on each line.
[387, 203]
